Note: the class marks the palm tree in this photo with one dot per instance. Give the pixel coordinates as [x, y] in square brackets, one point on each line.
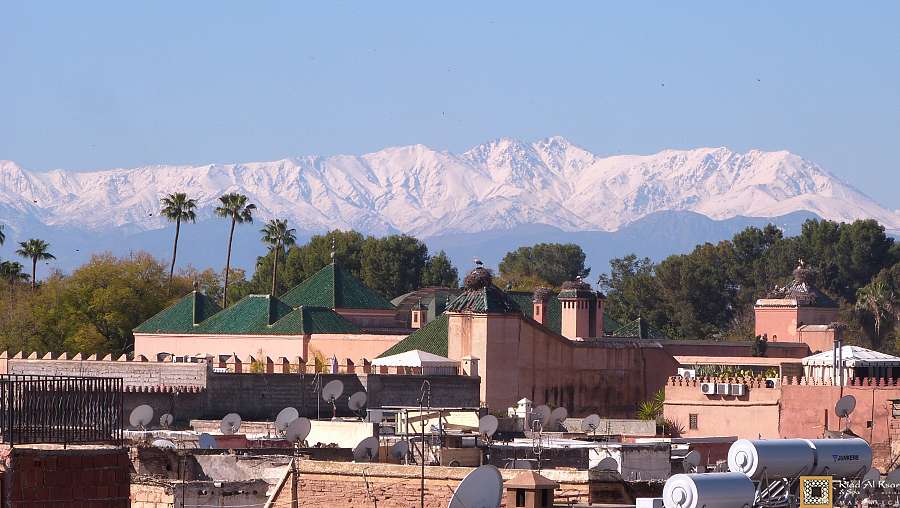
[2, 235]
[235, 207]
[877, 299]
[277, 235]
[11, 272]
[177, 207]
[35, 250]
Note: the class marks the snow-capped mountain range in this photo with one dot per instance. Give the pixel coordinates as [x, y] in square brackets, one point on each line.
[502, 184]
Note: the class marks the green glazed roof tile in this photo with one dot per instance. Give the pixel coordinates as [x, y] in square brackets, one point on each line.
[180, 316]
[336, 288]
[431, 338]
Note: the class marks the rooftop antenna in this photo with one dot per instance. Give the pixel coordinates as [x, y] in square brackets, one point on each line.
[366, 450]
[163, 443]
[317, 386]
[537, 440]
[357, 402]
[165, 421]
[557, 416]
[483, 487]
[542, 414]
[332, 248]
[400, 450]
[845, 405]
[589, 424]
[487, 426]
[607, 464]
[298, 430]
[206, 441]
[141, 416]
[330, 393]
[230, 424]
[424, 401]
[284, 418]
[691, 461]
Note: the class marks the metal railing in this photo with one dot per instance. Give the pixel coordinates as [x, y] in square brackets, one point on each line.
[61, 409]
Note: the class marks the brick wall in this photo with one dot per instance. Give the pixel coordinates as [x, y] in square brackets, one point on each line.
[79, 476]
[133, 373]
[332, 484]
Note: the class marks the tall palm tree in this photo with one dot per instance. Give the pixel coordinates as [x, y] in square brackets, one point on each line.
[235, 207]
[35, 250]
[177, 207]
[11, 272]
[877, 299]
[277, 235]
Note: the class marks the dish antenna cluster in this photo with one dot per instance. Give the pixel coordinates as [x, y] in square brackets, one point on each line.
[540, 414]
[284, 418]
[483, 487]
[141, 416]
[557, 416]
[366, 450]
[298, 429]
[357, 402]
[399, 450]
[165, 421]
[230, 424]
[330, 393]
[590, 423]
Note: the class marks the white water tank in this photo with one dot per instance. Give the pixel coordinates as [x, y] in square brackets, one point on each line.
[771, 458]
[843, 458]
[709, 490]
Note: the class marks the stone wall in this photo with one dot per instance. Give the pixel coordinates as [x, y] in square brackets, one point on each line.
[77, 476]
[134, 373]
[332, 484]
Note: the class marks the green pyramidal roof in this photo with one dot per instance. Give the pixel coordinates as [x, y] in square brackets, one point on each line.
[180, 317]
[431, 338]
[336, 288]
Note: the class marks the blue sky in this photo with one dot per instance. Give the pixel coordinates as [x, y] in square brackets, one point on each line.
[88, 85]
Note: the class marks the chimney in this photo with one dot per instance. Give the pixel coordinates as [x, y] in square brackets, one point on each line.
[579, 310]
[418, 315]
[598, 320]
[539, 299]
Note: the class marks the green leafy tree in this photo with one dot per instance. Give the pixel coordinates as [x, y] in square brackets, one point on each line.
[36, 250]
[277, 236]
[439, 271]
[632, 291]
[236, 207]
[11, 272]
[879, 301]
[393, 265]
[177, 207]
[548, 264]
[304, 260]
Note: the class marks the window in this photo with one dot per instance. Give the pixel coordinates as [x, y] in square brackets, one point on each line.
[520, 497]
[692, 421]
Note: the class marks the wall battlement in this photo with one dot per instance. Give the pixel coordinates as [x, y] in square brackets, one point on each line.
[760, 382]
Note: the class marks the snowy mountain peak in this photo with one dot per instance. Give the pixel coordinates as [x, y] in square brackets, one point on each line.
[500, 184]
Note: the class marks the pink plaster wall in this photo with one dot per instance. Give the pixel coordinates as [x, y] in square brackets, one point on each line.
[354, 346]
[751, 416]
[779, 323]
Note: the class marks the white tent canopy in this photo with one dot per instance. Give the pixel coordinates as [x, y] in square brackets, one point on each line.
[430, 363]
[853, 356]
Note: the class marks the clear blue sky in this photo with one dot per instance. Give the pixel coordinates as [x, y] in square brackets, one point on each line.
[117, 84]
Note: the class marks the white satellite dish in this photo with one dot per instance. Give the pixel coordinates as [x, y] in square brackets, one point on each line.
[206, 441]
[366, 450]
[590, 423]
[163, 443]
[607, 464]
[691, 461]
[141, 416]
[230, 424]
[376, 416]
[487, 425]
[165, 421]
[481, 488]
[845, 405]
[298, 430]
[399, 450]
[332, 390]
[284, 418]
[357, 401]
[557, 416]
[542, 414]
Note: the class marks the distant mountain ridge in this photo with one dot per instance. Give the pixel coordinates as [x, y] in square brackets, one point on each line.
[520, 192]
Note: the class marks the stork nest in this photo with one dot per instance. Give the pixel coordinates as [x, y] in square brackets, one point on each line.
[576, 284]
[478, 278]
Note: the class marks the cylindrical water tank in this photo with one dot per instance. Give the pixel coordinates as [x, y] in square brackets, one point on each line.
[709, 490]
[771, 458]
[843, 458]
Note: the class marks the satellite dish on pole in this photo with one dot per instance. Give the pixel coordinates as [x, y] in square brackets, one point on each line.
[230, 424]
[590, 424]
[284, 418]
[557, 416]
[332, 390]
[366, 450]
[691, 461]
[298, 430]
[357, 401]
[399, 450]
[483, 488]
[165, 421]
[163, 443]
[206, 441]
[845, 405]
[541, 414]
[607, 464]
[141, 416]
[487, 425]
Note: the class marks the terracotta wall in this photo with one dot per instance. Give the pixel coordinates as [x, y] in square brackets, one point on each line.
[355, 346]
[779, 323]
[817, 340]
[751, 416]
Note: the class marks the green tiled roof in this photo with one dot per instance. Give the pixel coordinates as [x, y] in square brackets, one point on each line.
[641, 329]
[180, 316]
[553, 311]
[431, 338]
[485, 300]
[335, 288]
[305, 319]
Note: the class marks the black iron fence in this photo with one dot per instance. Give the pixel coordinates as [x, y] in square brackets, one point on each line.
[61, 409]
